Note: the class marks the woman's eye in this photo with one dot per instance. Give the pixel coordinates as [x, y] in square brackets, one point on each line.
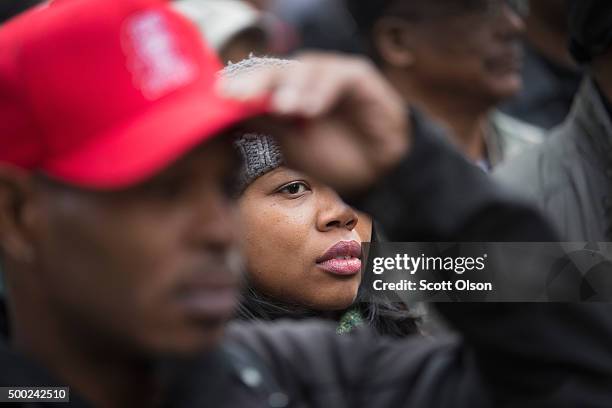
[294, 188]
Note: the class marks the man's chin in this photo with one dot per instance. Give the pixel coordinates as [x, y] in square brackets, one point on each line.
[197, 340]
[503, 87]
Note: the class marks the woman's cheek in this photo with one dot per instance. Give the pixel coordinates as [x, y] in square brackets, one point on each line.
[269, 234]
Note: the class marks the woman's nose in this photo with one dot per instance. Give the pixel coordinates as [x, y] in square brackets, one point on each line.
[335, 213]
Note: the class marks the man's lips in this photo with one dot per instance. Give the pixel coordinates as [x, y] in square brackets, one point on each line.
[509, 61]
[344, 258]
[210, 298]
[215, 304]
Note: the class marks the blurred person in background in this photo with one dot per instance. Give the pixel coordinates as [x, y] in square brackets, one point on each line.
[570, 175]
[457, 60]
[317, 25]
[120, 234]
[551, 77]
[233, 28]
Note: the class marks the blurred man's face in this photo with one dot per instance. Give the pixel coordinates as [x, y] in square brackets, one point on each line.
[474, 51]
[151, 268]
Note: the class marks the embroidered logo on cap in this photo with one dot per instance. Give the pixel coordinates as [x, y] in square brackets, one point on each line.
[153, 56]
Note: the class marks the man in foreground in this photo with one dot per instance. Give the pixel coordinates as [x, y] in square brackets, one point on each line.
[120, 238]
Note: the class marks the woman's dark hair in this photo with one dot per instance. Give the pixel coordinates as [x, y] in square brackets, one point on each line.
[386, 317]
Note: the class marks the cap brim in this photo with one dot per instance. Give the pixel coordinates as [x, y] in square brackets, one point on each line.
[152, 141]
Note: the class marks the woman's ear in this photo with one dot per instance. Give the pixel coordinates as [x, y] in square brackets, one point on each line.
[16, 214]
[393, 41]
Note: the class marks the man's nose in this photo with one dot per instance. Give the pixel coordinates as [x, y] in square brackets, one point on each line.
[216, 222]
[513, 21]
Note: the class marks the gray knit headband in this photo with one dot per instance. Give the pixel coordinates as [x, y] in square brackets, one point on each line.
[260, 154]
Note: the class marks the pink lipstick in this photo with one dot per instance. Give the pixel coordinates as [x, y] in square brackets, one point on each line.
[344, 258]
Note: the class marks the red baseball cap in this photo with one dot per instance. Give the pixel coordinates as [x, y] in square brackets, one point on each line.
[104, 94]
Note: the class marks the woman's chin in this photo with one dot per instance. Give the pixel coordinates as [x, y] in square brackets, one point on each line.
[339, 301]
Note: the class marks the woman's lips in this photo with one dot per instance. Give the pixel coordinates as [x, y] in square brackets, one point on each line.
[344, 258]
[345, 267]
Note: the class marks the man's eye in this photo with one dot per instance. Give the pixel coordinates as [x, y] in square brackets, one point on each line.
[231, 186]
[170, 189]
[296, 188]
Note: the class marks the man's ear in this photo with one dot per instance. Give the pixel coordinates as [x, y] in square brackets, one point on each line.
[16, 214]
[393, 42]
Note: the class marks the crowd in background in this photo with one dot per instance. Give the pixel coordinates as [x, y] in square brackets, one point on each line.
[502, 77]
[499, 77]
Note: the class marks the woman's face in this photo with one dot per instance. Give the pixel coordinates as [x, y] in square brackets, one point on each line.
[301, 243]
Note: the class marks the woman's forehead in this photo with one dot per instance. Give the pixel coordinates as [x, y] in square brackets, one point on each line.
[283, 174]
